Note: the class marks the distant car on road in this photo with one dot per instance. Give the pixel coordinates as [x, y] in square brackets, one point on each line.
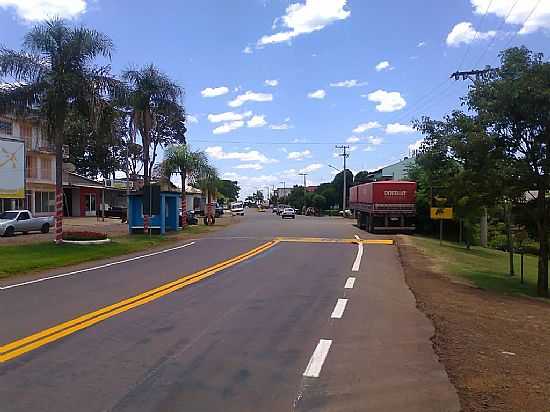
[237, 208]
[13, 221]
[288, 212]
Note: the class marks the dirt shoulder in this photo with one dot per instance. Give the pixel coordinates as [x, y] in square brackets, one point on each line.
[495, 348]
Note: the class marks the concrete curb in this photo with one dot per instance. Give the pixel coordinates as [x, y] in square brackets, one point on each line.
[87, 242]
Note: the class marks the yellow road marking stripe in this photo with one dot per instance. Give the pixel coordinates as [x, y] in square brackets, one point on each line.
[330, 240]
[29, 343]
[378, 242]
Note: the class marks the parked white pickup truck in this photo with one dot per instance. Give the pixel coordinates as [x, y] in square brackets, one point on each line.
[12, 221]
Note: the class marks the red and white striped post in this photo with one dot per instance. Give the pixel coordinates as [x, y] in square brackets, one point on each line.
[145, 224]
[183, 211]
[58, 216]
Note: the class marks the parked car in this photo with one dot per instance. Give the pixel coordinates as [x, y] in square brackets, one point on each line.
[288, 212]
[191, 218]
[13, 221]
[237, 208]
[218, 210]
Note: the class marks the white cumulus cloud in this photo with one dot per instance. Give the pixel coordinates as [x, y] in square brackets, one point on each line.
[348, 83]
[213, 91]
[311, 168]
[387, 101]
[464, 33]
[532, 15]
[192, 119]
[253, 166]
[394, 128]
[250, 96]
[39, 10]
[363, 127]
[247, 50]
[228, 117]
[317, 94]
[217, 152]
[228, 127]
[272, 83]
[353, 139]
[256, 121]
[281, 126]
[308, 17]
[299, 155]
[374, 140]
[383, 65]
[421, 44]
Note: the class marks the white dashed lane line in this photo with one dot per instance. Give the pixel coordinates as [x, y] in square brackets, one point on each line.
[357, 262]
[339, 309]
[318, 359]
[350, 282]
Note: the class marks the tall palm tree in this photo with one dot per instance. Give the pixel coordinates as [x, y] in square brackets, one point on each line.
[208, 182]
[149, 91]
[189, 164]
[52, 74]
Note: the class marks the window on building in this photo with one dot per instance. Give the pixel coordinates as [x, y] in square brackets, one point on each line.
[44, 202]
[90, 203]
[46, 169]
[32, 171]
[28, 200]
[26, 130]
[6, 127]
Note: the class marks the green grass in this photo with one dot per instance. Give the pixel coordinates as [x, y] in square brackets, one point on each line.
[486, 268]
[16, 259]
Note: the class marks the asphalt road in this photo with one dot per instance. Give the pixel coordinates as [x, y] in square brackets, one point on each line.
[281, 328]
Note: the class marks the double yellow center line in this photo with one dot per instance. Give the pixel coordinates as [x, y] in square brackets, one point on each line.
[35, 341]
[21, 346]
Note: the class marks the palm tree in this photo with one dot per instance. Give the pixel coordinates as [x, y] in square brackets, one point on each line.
[149, 91]
[52, 74]
[208, 182]
[189, 164]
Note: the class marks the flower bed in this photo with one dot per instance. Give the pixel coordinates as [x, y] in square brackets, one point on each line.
[84, 236]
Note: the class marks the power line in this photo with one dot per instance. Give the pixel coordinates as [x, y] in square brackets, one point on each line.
[492, 42]
[512, 38]
[475, 36]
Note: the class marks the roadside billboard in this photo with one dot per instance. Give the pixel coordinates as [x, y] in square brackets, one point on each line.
[12, 169]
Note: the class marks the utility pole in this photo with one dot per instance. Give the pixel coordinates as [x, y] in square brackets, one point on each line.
[345, 155]
[475, 75]
[303, 174]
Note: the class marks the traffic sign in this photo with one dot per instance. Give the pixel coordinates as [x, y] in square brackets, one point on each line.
[441, 213]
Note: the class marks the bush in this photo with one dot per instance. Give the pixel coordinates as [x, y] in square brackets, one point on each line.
[84, 236]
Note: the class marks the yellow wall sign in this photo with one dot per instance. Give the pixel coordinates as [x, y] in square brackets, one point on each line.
[438, 213]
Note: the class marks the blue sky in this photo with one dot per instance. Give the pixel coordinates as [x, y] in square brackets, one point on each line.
[273, 85]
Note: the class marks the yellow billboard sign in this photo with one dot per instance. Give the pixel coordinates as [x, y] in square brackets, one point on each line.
[441, 213]
[12, 169]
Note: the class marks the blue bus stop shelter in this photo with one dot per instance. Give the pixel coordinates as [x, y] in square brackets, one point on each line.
[167, 220]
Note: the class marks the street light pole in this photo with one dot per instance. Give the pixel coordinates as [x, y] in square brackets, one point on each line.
[303, 174]
[345, 155]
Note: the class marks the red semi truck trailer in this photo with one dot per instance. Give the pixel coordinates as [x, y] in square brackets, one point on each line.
[384, 206]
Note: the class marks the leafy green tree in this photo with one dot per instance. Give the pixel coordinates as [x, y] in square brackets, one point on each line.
[208, 181]
[319, 202]
[328, 191]
[361, 177]
[54, 73]
[296, 197]
[188, 164]
[151, 96]
[515, 106]
[338, 183]
[229, 190]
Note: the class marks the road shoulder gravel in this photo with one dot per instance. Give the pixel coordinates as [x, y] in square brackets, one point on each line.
[495, 348]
